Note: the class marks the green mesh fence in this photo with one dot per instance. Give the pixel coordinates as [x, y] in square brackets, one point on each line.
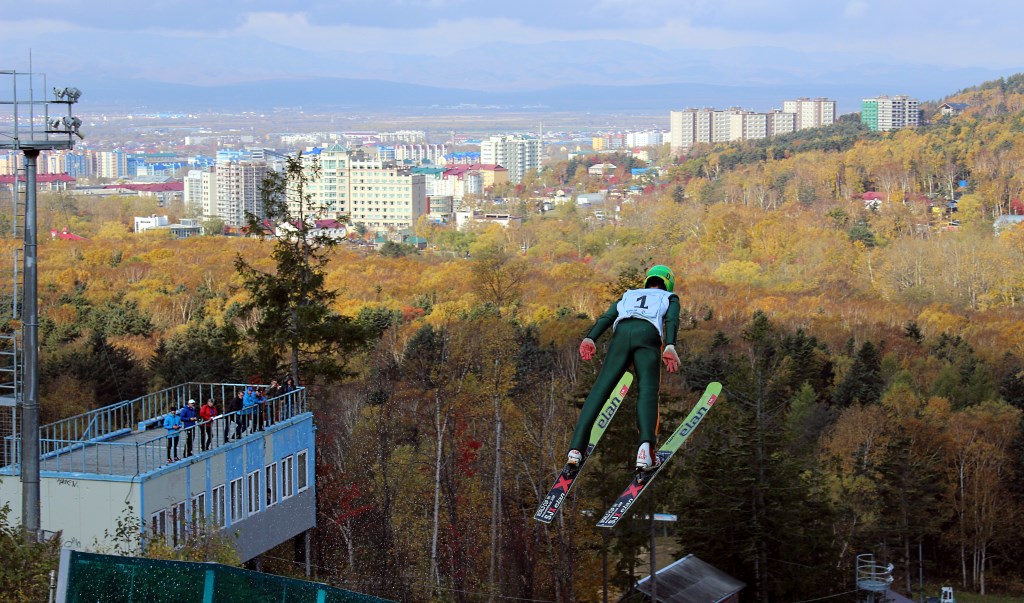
[91, 578]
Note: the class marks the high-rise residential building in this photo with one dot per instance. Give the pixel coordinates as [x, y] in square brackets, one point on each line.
[379, 194]
[402, 136]
[10, 163]
[192, 193]
[421, 153]
[780, 122]
[209, 192]
[240, 175]
[111, 164]
[811, 113]
[692, 126]
[519, 154]
[885, 113]
[689, 127]
[648, 138]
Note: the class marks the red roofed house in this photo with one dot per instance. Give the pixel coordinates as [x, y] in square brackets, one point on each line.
[491, 173]
[65, 235]
[44, 182]
[163, 191]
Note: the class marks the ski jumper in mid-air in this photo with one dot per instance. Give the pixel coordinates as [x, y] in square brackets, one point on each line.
[644, 324]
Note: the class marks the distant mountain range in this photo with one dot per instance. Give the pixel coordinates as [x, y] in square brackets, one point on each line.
[162, 73]
[340, 94]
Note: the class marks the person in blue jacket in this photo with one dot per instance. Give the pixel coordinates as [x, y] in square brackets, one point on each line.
[249, 407]
[172, 423]
[189, 416]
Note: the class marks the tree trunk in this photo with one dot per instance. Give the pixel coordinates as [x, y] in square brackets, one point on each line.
[494, 578]
[439, 431]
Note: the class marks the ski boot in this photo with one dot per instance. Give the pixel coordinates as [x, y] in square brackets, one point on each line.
[646, 462]
[572, 464]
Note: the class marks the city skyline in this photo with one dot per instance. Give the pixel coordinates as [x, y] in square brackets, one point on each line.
[794, 46]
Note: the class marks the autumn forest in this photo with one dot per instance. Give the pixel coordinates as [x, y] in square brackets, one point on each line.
[872, 357]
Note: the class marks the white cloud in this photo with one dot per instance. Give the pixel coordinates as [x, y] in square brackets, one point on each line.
[855, 9]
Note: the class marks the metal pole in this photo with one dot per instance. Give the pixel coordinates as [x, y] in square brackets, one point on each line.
[30, 403]
[920, 568]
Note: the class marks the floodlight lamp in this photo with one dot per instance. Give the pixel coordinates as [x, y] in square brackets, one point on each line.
[70, 94]
[72, 123]
[55, 123]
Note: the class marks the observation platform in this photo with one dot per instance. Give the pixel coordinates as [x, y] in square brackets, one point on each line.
[256, 477]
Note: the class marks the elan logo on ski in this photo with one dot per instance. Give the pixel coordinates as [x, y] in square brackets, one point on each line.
[551, 503]
[643, 479]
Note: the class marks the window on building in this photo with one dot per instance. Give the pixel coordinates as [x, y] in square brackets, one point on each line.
[301, 460]
[287, 477]
[199, 509]
[218, 508]
[158, 523]
[237, 501]
[270, 477]
[253, 492]
[178, 524]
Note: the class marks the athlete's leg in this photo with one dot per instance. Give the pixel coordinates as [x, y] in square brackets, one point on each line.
[615, 364]
[647, 363]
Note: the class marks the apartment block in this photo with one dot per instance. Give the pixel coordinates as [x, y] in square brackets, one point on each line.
[111, 164]
[648, 138]
[811, 113]
[240, 175]
[886, 113]
[379, 194]
[689, 127]
[519, 154]
[421, 153]
[780, 122]
[693, 126]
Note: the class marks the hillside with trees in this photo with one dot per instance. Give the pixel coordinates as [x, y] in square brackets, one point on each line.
[872, 356]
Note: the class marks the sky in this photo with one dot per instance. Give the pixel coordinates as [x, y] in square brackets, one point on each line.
[522, 45]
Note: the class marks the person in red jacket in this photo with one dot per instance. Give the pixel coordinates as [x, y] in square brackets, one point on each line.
[207, 413]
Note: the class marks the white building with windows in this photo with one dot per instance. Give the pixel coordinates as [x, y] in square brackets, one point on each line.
[421, 153]
[239, 178]
[811, 113]
[379, 194]
[520, 155]
[647, 138]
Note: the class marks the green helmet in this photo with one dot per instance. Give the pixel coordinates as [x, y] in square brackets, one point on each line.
[664, 273]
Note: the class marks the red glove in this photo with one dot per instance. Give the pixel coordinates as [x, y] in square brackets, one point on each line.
[587, 348]
[671, 358]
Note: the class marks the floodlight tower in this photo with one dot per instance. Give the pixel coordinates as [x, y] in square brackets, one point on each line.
[31, 127]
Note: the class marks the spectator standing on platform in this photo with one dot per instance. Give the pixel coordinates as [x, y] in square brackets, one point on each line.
[271, 404]
[249, 407]
[172, 423]
[208, 413]
[189, 418]
[259, 408]
[288, 407]
[238, 412]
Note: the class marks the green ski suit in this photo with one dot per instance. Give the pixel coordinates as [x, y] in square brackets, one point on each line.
[635, 339]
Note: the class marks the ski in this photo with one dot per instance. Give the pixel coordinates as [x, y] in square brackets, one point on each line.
[556, 496]
[643, 480]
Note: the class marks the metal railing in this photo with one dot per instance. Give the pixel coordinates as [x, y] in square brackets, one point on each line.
[872, 576]
[84, 443]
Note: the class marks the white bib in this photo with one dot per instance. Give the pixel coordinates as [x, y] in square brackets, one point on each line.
[648, 304]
